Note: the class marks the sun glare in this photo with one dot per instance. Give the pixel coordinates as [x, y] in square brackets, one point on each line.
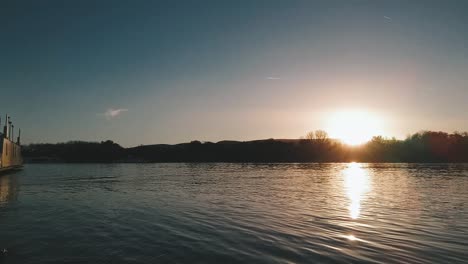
[357, 184]
[354, 127]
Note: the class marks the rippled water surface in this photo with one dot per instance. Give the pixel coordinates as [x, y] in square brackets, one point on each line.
[235, 213]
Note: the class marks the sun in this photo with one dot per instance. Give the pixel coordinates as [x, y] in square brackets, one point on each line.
[354, 127]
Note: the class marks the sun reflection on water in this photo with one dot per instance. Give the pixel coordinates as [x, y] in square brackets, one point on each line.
[356, 184]
[7, 189]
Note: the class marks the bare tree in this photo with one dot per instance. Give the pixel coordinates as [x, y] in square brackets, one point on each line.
[318, 136]
[321, 136]
[310, 136]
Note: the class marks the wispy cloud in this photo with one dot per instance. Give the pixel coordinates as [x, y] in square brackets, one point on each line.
[273, 78]
[111, 112]
[388, 18]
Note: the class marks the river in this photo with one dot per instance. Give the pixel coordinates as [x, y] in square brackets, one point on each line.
[235, 213]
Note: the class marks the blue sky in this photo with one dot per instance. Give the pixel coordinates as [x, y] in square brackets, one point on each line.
[143, 72]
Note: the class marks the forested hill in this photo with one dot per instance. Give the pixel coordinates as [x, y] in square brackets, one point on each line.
[420, 147]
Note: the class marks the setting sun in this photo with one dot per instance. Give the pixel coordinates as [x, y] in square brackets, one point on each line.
[354, 127]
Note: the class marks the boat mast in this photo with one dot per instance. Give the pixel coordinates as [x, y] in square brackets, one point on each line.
[5, 129]
[9, 128]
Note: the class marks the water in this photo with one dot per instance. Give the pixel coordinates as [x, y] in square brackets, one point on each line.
[235, 213]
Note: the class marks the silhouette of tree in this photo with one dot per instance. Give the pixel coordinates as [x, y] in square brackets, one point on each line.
[321, 136]
[425, 146]
[318, 136]
[310, 135]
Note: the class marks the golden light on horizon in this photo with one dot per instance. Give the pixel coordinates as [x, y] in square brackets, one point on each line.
[354, 127]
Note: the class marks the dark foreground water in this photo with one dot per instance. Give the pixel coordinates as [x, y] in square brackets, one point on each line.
[235, 213]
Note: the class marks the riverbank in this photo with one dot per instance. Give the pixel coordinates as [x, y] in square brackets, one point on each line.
[425, 147]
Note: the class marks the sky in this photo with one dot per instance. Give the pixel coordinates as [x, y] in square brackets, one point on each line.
[147, 72]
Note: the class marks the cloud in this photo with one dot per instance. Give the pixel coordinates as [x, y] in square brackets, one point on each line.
[388, 18]
[273, 78]
[111, 113]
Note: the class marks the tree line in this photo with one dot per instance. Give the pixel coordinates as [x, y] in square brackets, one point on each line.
[427, 146]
